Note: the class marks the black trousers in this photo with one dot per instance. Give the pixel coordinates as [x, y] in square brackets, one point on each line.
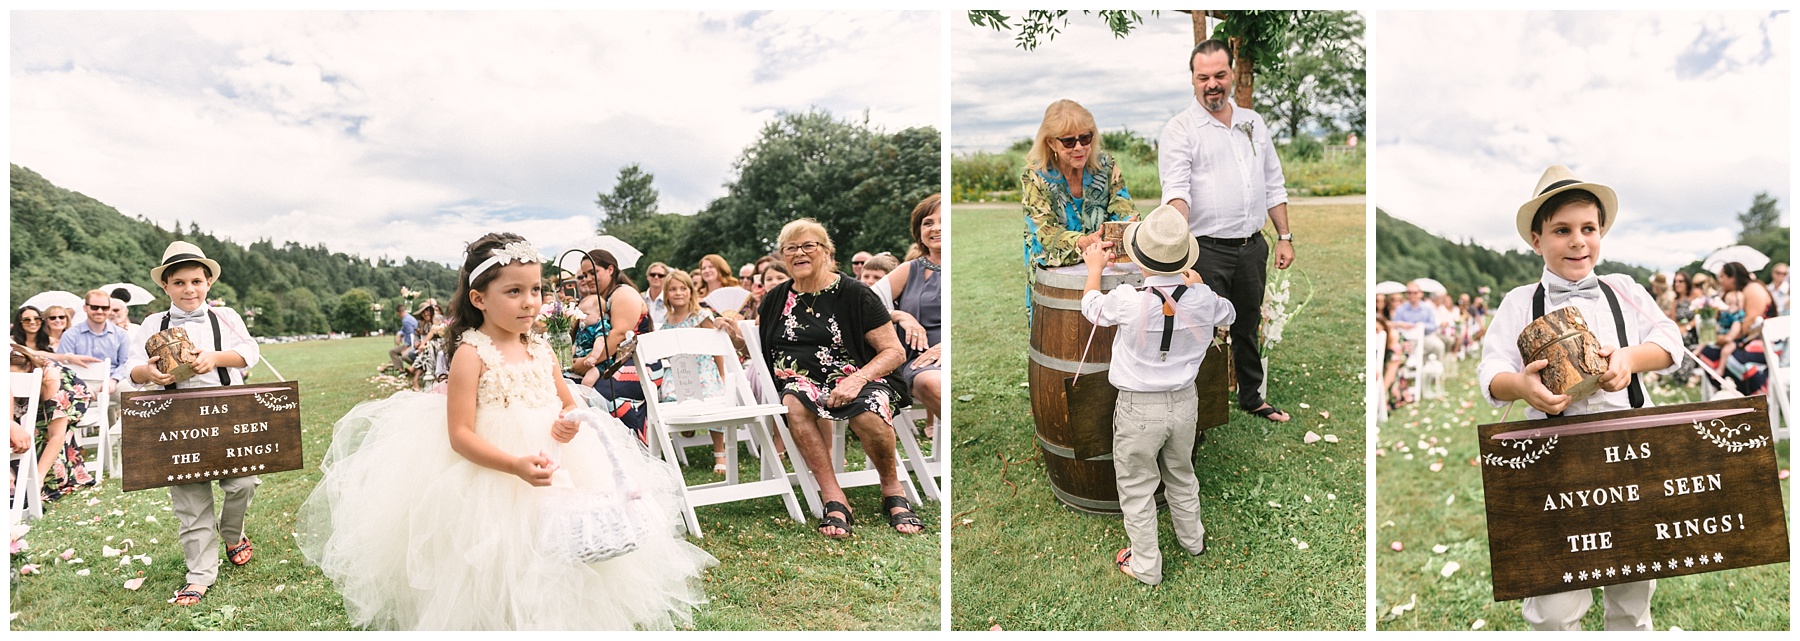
[1238, 274]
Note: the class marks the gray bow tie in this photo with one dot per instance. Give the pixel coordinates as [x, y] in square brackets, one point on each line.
[178, 317]
[1556, 293]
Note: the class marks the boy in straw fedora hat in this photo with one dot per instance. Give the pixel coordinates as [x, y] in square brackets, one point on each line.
[223, 350]
[1164, 330]
[1564, 221]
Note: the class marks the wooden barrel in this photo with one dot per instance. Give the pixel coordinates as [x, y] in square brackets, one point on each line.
[1058, 334]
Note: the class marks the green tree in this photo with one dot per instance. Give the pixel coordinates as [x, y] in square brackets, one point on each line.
[633, 198]
[860, 183]
[1764, 216]
[1037, 27]
[1321, 81]
[355, 313]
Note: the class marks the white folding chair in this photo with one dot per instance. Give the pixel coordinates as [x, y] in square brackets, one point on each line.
[1415, 359]
[704, 437]
[737, 407]
[906, 424]
[1377, 357]
[764, 379]
[1775, 334]
[26, 496]
[95, 420]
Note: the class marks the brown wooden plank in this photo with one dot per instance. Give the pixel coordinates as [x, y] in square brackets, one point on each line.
[190, 436]
[1576, 511]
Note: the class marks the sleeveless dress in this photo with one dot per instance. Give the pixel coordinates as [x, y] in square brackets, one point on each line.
[417, 537]
[923, 298]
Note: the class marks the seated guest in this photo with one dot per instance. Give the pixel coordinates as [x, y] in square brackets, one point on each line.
[834, 354]
[56, 321]
[62, 402]
[877, 268]
[718, 288]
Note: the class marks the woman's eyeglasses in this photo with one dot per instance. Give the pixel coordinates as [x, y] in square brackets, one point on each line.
[30, 319]
[54, 318]
[807, 247]
[657, 275]
[1069, 142]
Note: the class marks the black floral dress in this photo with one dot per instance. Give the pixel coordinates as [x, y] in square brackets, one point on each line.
[811, 356]
[71, 399]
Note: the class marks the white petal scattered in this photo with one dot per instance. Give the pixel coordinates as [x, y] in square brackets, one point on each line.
[1450, 568]
[284, 561]
[83, 572]
[1305, 406]
[75, 561]
[68, 554]
[1331, 438]
[1478, 624]
[1311, 437]
[116, 513]
[1437, 466]
[1302, 545]
[143, 558]
[150, 519]
[1274, 504]
[93, 502]
[279, 588]
[1440, 549]
[134, 584]
[1330, 497]
[1308, 497]
[109, 551]
[1402, 608]
[1449, 499]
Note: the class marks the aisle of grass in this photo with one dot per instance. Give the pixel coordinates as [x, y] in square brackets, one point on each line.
[1021, 561]
[1423, 509]
[774, 573]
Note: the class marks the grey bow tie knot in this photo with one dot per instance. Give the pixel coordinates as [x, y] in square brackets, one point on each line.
[178, 317]
[1559, 293]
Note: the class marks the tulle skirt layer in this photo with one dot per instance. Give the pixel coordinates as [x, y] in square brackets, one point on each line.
[417, 537]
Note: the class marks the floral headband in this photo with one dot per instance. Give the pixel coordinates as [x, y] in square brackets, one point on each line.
[520, 251]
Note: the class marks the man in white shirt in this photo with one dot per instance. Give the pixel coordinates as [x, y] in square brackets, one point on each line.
[656, 275]
[1778, 287]
[1218, 167]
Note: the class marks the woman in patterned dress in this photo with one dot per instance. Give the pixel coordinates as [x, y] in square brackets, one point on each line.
[62, 402]
[834, 355]
[1069, 187]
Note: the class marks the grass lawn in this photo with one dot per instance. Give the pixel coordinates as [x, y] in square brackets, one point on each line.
[773, 573]
[1422, 509]
[1021, 561]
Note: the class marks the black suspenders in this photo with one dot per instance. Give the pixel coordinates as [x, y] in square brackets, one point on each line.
[1635, 389]
[1168, 318]
[218, 346]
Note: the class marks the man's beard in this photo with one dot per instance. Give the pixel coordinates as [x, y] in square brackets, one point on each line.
[1214, 102]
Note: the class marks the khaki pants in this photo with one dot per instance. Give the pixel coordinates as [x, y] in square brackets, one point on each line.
[200, 532]
[1627, 607]
[1153, 441]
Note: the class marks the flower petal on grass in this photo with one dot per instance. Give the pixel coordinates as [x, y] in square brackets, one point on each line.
[133, 584]
[67, 554]
[1396, 546]
[109, 551]
[1450, 567]
[1440, 549]
[83, 572]
[1311, 437]
[966, 398]
[1437, 466]
[28, 569]
[1325, 415]
[1402, 608]
[281, 587]
[1331, 438]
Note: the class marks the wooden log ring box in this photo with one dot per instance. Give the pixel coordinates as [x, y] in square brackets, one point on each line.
[176, 351]
[1114, 232]
[1562, 337]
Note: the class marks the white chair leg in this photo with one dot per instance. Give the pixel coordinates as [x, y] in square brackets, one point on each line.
[916, 459]
[661, 436]
[802, 476]
[771, 468]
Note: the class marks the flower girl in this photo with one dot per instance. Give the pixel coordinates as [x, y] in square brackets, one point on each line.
[499, 505]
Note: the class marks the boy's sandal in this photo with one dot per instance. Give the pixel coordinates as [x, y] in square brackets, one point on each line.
[192, 596]
[243, 547]
[904, 517]
[1122, 560]
[831, 521]
[1268, 412]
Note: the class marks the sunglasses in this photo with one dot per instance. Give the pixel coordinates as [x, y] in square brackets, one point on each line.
[100, 308]
[56, 318]
[30, 319]
[858, 263]
[1084, 140]
[656, 275]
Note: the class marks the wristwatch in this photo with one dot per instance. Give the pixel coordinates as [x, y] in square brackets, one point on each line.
[1286, 237]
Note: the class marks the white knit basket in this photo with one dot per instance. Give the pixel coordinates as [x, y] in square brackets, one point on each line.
[590, 525]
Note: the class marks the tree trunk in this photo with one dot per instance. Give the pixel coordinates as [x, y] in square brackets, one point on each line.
[1562, 337]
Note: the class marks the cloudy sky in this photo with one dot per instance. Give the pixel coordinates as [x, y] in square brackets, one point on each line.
[409, 134]
[998, 91]
[1685, 115]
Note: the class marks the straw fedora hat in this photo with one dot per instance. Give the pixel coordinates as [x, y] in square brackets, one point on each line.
[1558, 179]
[1161, 244]
[182, 251]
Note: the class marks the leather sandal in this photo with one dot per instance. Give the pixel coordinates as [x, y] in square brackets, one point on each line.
[904, 517]
[243, 547]
[831, 521]
[185, 593]
[1122, 560]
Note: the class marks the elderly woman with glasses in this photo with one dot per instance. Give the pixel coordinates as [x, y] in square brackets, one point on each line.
[834, 353]
[1069, 187]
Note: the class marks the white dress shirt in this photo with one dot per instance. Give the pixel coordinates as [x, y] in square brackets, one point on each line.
[1138, 364]
[1228, 179]
[1644, 323]
[658, 309]
[236, 339]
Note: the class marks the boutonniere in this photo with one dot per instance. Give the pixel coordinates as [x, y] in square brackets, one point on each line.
[1249, 130]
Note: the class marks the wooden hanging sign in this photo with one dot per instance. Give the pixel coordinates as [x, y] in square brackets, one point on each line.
[190, 436]
[1585, 501]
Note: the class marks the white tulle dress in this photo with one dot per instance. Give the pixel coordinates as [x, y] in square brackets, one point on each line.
[417, 537]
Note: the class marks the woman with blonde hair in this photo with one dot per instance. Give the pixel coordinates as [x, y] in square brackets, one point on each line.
[57, 320]
[1069, 187]
[717, 287]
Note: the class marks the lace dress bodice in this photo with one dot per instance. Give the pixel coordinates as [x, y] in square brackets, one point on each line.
[528, 384]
